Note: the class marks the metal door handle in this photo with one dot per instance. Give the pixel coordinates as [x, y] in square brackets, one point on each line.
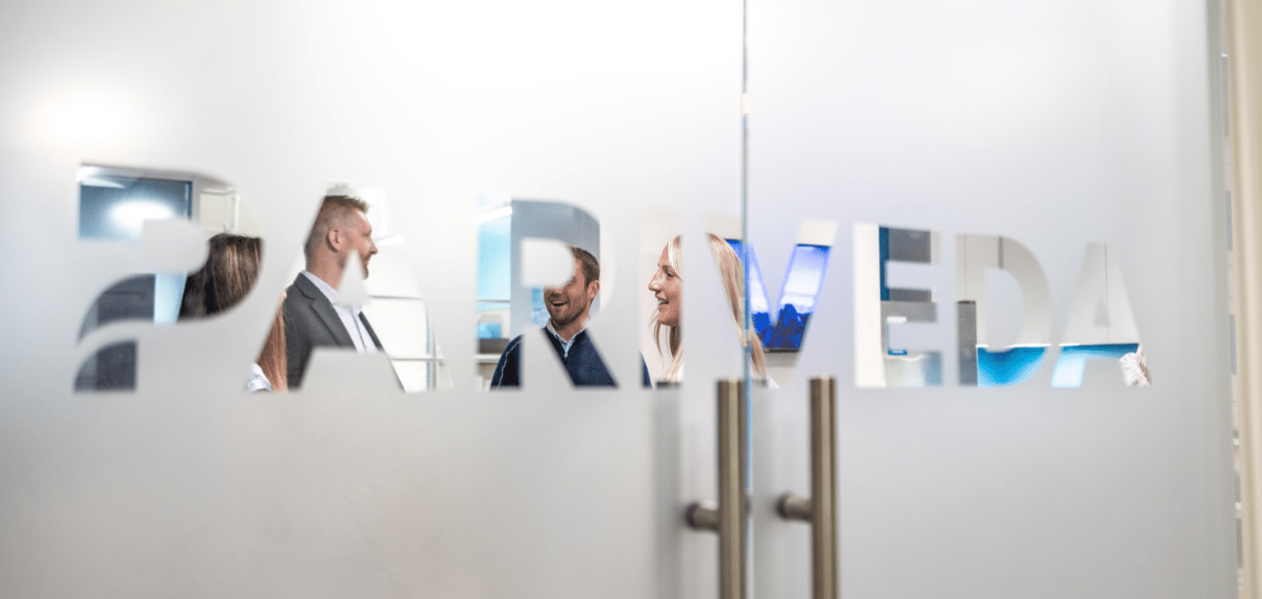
[728, 519]
[820, 509]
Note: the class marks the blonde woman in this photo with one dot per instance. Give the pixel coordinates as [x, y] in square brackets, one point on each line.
[667, 288]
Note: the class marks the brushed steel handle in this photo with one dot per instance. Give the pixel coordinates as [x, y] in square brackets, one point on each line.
[820, 510]
[729, 518]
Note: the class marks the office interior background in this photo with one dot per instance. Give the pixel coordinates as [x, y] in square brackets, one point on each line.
[1022, 238]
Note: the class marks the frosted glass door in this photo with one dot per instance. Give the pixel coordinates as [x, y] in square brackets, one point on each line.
[1027, 200]
[395, 473]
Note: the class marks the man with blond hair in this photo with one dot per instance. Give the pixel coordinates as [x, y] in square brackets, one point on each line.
[313, 318]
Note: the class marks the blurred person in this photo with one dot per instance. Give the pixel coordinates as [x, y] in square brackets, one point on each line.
[230, 272]
[312, 317]
[667, 288]
[569, 309]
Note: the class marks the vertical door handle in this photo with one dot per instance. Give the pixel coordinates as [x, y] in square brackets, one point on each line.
[728, 519]
[820, 509]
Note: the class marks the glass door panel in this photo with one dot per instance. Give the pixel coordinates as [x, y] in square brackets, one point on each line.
[394, 472]
[1025, 199]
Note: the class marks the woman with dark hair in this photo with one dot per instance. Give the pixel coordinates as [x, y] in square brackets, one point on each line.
[230, 272]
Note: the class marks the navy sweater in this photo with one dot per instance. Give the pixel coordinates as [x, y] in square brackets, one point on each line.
[584, 365]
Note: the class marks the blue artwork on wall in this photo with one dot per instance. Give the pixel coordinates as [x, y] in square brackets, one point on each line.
[1007, 367]
[1073, 360]
[803, 282]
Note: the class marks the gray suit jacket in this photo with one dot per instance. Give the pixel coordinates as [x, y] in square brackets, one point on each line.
[310, 322]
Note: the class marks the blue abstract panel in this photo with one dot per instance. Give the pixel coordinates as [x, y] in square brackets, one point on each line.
[1073, 360]
[803, 282]
[1007, 367]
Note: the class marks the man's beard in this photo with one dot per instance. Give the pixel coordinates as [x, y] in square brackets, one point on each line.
[560, 324]
[565, 318]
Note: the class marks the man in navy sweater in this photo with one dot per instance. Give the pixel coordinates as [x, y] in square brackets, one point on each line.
[568, 311]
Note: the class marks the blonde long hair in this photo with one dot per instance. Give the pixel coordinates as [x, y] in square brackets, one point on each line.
[732, 272]
[674, 337]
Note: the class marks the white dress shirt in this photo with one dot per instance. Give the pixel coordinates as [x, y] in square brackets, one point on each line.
[258, 381]
[349, 315]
